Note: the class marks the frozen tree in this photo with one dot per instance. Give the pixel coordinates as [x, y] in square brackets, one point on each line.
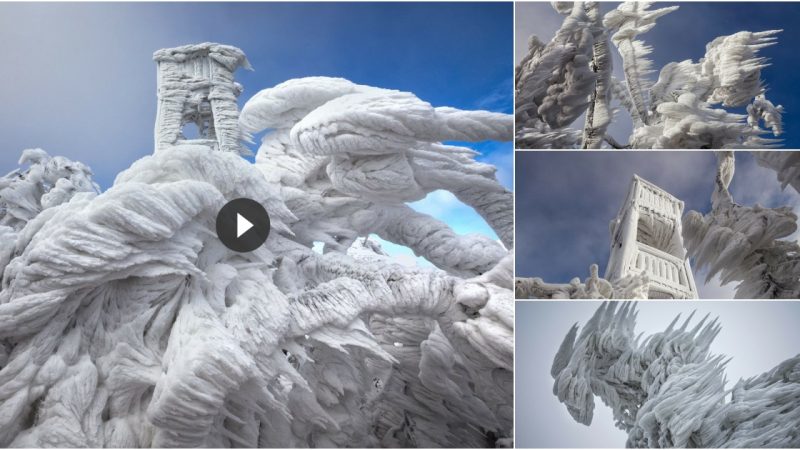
[125, 322]
[24, 194]
[570, 78]
[669, 390]
[747, 244]
[786, 164]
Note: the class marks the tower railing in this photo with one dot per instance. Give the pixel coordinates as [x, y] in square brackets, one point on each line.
[662, 268]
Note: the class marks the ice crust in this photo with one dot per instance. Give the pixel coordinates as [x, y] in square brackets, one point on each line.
[124, 322]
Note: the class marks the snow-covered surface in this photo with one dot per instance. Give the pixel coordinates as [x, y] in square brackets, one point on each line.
[556, 83]
[125, 322]
[668, 390]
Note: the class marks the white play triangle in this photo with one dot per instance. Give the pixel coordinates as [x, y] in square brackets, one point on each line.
[242, 225]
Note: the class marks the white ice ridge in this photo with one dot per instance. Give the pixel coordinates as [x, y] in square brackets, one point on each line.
[571, 76]
[669, 390]
[125, 322]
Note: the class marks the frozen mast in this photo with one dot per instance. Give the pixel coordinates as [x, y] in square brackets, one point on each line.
[195, 85]
[646, 238]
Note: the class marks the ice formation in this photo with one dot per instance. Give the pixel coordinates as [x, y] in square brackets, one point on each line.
[633, 286]
[124, 322]
[569, 77]
[669, 390]
[747, 244]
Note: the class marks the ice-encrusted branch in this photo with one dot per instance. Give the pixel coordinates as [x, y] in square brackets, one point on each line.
[763, 110]
[629, 20]
[377, 146]
[598, 114]
[554, 81]
[48, 181]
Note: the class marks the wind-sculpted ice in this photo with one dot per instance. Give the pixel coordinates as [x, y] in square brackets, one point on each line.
[669, 390]
[747, 244]
[785, 164]
[124, 322]
[558, 82]
[49, 181]
[349, 158]
[634, 286]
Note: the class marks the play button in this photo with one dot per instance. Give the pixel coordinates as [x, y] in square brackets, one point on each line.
[242, 225]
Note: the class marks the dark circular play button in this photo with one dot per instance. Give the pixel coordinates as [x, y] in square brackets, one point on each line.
[242, 225]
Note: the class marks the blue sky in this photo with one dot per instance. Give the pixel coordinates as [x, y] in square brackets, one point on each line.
[78, 79]
[565, 201]
[683, 34]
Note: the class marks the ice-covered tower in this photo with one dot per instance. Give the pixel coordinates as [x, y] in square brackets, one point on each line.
[646, 237]
[195, 85]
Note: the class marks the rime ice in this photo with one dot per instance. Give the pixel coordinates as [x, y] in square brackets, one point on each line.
[126, 323]
[668, 390]
[558, 82]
